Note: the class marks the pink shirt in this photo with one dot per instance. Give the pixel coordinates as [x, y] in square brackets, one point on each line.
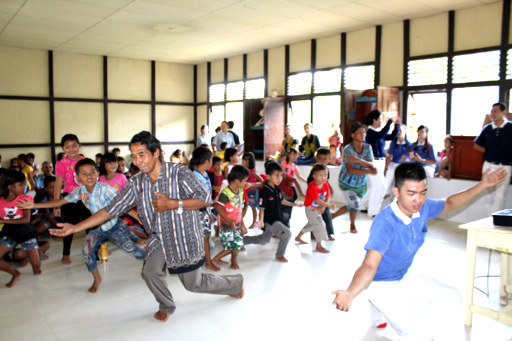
[118, 182]
[8, 209]
[65, 168]
[290, 169]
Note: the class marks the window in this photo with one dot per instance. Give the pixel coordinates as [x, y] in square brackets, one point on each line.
[235, 113]
[255, 88]
[360, 77]
[298, 115]
[476, 67]
[216, 117]
[327, 81]
[299, 84]
[217, 92]
[235, 91]
[428, 71]
[326, 112]
[469, 107]
[509, 64]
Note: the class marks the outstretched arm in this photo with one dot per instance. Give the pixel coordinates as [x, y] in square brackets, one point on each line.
[96, 219]
[28, 204]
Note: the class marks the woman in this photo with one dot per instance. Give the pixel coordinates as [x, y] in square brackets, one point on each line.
[397, 154]
[288, 142]
[357, 164]
[203, 138]
[308, 146]
[422, 151]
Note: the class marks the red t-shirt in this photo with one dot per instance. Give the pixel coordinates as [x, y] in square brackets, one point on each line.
[9, 210]
[313, 193]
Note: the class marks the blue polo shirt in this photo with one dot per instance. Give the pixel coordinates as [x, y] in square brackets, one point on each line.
[497, 142]
[398, 238]
[377, 139]
[397, 150]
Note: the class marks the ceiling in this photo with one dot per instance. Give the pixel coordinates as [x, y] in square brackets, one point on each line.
[195, 31]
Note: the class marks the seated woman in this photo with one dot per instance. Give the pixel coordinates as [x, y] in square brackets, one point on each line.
[288, 142]
[308, 146]
[445, 167]
[422, 151]
[397, 154]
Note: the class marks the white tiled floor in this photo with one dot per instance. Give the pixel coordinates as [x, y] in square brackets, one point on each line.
[282, 301]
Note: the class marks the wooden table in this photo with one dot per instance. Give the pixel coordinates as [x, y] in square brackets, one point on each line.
[483, 233]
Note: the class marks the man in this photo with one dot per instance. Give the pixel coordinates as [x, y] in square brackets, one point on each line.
[413, 306]
[168, 198]
[236, 138]
[39, 179]
[495, 141]
[223, 136]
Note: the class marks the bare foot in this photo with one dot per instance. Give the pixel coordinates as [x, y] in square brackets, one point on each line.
[243, 249]
[212, 266]
[43, 256]
[95, 285]
[321, 249]
[240, 294]
[220, 261]
[37, 271]
[66, 260]
[234, 266]
[161, 316]
[353, 229]
[282, 259]
[313, 237]
[299, 240]
[16, 277]
[23, 262]
[331, 238]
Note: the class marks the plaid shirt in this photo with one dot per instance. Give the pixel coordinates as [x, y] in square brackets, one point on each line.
[180, 236]
[101, 196]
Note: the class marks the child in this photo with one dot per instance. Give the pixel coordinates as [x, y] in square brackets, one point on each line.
[201, 161]
[32, 162]
[317, 200]
[255, 183]
[229, 207]
[231, 157]
[47, 218]
[397, 154]
[98, 159]
[109, 173]
[220, 153]
[445, 167]
[270, 217]
[216, 179]
[289, 186]
[27, 170]
[323, 157]
[423, 151]
[65, 174]
[95, 196]
[116, 152]
[17, 228]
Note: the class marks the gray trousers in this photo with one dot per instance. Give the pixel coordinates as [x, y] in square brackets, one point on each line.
[315, 224]
[276, 229]
[154, 272]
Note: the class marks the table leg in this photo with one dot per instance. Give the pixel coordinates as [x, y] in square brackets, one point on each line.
[470, 275]
[504, 278]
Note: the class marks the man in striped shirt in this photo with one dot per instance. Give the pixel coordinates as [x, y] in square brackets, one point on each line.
[168, 198]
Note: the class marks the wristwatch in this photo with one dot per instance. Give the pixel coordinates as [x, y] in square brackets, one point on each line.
[180, 206]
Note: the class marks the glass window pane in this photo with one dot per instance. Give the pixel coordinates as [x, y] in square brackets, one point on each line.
[298, 115]
[217, 92]
[299, 84]
[235, 91]
[428, 71]
[235, 113]
[509, 64]
[326, 112]
[476, 67]
[216, 118]
[327, 81]
[360, 77]
[469, 107]
[255, 88]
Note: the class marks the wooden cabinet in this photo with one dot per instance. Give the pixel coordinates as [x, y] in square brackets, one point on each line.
[467, 161]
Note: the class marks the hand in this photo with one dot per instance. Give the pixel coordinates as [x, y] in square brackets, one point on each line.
[66, 230]
[162, 202]
[343, 300]
[397, 120]
[332, 206]
[492, 179]
[56, 212]
[298, 204]
[25, 204]
[373, 170]
[260, 224]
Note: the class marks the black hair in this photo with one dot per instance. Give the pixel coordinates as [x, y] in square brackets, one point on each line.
[217, 129]
[147, 139]
[199, 156]
[203, 126]
[251, 159]
[216, 159]
[10, 177]
[48, 180]
[204, 145]
[450, 138]
[229, 153]
[120, 158]
[272, 167]
[412, 171]
[372, 116]
[231, 124]
[318, 167]
[353, 128]
[68, 137]
[502, 106]
[400, 126]
[223, 145]
[84, 162]
[31, 155]
[108, 157]
[323, 151]
[116, 150]
[238, 172]
[60, 156]
[98, 155]
[176, 153]
[291, 150]
[427, 144]
[23, 157]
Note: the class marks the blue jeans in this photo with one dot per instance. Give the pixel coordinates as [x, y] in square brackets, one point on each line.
[302, 161]
[118, 234]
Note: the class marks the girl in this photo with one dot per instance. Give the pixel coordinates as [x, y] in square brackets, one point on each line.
[255, 183]
[397, 154]
[110, 174]
[17, 228]
[179, 156]
[445, 168]
[231, 157]
[357, 164]
[65, 178]
[335, 142]
[423, 152]
[289, 185]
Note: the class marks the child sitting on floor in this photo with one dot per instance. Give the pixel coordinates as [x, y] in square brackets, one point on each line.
[445, 167]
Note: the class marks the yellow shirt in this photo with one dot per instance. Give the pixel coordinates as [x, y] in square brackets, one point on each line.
[27, 170]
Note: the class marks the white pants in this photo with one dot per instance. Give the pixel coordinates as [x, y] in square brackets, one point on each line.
[495, 199]
[415, 306]
[390, 176]
[376, 189]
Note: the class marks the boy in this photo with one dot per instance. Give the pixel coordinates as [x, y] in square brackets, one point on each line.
[317, 200]
[216, 177]
[27, 170]
[229, 207]
[323, 156]
[270, 216]
[47, 218]
[94, 195]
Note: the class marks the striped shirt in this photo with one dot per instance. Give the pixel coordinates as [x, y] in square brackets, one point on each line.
[179, 236]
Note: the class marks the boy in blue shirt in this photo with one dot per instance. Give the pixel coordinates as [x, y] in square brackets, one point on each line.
[95, 196]
[412, 308]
